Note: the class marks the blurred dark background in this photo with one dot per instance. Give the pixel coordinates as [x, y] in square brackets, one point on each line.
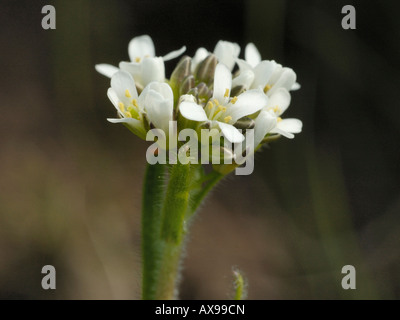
[70, 186]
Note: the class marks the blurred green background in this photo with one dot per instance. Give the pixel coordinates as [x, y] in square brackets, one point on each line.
[70, 186]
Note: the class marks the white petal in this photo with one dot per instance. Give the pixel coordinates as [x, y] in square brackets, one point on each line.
[106, 69]
[174, 54]
[164, 89]
[245, 79]
[222, 81]
[286, 80]
[114, 99]
[199, 56]
[135, 126]
[192, 111]
[134, 122]
[264, 123]
[262, 73]
[243, 65]
[230, 132]
[247, 103]
[282, 132]
[157, 110]
[152, 70]
[140, 47]
[227, 52]
[252, 55]
[157, 99]
[120, 83]
[281, 99]
[135, 69]
[295, 86]
[290, 125]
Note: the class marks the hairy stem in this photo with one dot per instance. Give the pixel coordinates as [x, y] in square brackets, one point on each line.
[152, 246]
[173, 229]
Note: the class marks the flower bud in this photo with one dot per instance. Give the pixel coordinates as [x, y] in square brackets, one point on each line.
[245, 123]
[186, 85]
[237, 90]
[206, 69]
[204, 93]
[181, 71]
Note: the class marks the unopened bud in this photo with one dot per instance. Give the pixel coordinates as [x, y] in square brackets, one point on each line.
[206, 69]
[237, 90]
[245, 123]
[204, 93]
[181, 71]
[186, 85]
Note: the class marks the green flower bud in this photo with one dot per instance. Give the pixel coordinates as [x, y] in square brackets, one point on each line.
[245, 123]
[237, 90]
[186, 85]
[205, 70]
[181, 71]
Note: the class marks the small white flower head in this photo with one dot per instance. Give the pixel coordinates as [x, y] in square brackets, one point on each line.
[265, 74]
[144, 66]
[222, 111]
[153, 107]
[276, 106]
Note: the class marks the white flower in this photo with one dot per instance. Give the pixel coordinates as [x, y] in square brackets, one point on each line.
[221, 111]
[145, 67]
[155, 103]
[225, 51]
[267, 75]
[276, 106]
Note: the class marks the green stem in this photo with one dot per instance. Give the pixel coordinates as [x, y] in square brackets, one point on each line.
[172, 230]
[164, 223]
[212, 179]
[152, 246]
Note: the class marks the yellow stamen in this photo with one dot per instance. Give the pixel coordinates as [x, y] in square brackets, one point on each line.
[216, 102]
[137, 59]
[226, 95]
[234, 99]
[266, 88]
[227, 119]
[279, 119]
[209, 105]
[128, 114]
[220, 108]
[134, 102]
[127, 93]
[121, 106]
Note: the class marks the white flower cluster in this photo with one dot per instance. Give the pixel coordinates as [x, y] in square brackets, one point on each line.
[202, 92]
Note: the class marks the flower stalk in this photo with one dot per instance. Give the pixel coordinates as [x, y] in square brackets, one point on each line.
[202, 93]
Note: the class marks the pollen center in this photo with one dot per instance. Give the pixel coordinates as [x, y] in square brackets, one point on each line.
[137, 59]
[127, 93]
[215, 110]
